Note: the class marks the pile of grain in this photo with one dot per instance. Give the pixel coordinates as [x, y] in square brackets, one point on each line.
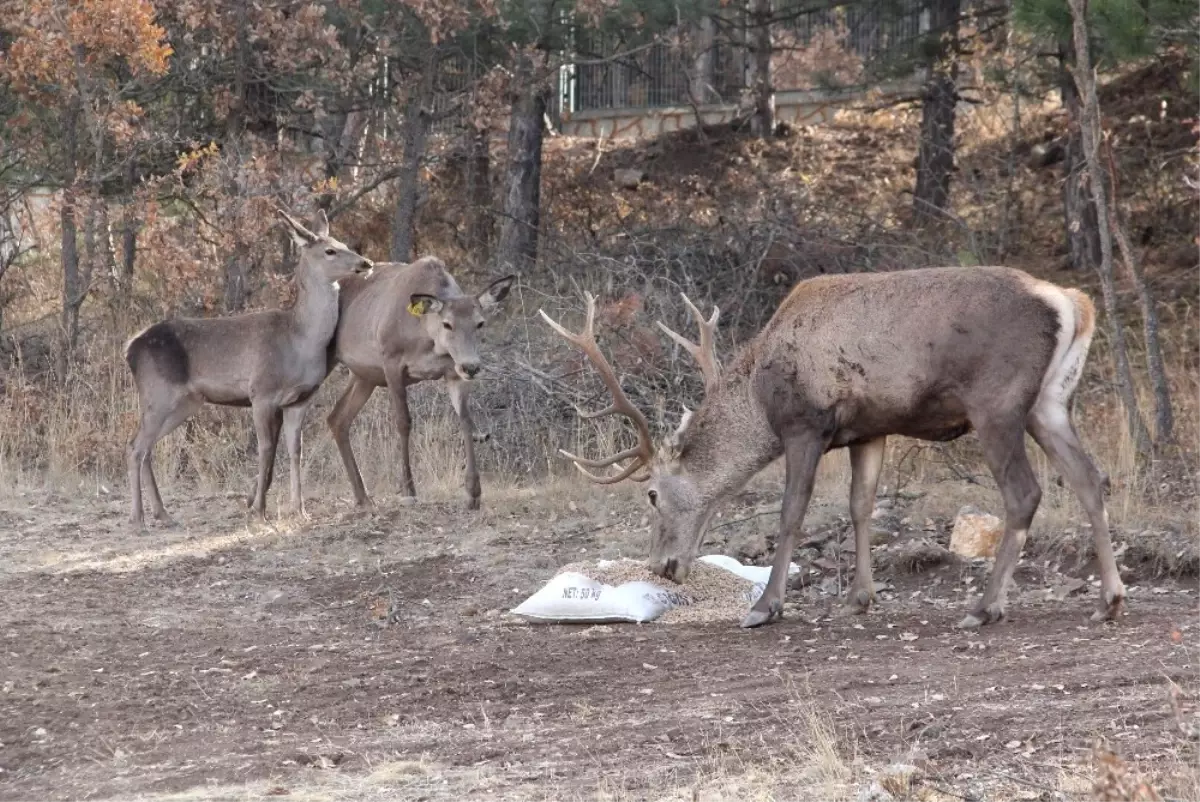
[715, 594]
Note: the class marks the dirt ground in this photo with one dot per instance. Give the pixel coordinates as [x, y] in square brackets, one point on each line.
[370, 656]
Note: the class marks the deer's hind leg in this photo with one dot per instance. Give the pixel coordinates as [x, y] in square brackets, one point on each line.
[340, 419]
[1003, 440]
[1050, 425]
[162, 413]
[866, 463]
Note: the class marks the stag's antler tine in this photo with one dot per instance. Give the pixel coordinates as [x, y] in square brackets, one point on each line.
[705, 352]
[600, 413]
[696, 313]
[644, 450]
[609, 480]
[604, 463]
[558, 327]
[684, 342]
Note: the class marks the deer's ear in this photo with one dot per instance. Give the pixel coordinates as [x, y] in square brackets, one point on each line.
[322, 224]
[496, 292]
[300, 234]
[420, 304]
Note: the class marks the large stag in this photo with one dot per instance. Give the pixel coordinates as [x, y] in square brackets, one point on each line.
[848, 360]
[271, 361]
[404, 324]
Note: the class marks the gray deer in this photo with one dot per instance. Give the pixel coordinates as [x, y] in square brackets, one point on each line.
[271, 361]
[404, 324]
[846, 361]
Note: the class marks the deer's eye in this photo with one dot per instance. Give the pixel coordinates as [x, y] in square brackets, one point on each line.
[447, 325]
[330, 251]
[653, 496]
[479, 325]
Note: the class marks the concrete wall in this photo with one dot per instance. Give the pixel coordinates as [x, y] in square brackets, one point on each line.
[801, 107]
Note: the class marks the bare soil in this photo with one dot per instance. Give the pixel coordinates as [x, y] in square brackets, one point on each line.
[369, 655]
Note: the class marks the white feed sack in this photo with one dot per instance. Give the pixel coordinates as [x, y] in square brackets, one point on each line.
[611, 591]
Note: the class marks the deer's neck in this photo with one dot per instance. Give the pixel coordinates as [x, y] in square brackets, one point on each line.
[728, 440]
[315, 315]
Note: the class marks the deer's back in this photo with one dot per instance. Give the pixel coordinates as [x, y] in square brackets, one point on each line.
[907, 352]
[375, 323]
[218, 358]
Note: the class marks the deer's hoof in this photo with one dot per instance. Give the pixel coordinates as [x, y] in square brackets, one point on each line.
[858, 602]
[473, 504]
[981, 616]
[137, 527]
[1111, 604]
[300, 514]
[758, 618]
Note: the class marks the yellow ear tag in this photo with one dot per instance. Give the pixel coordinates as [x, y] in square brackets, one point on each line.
[416, 308]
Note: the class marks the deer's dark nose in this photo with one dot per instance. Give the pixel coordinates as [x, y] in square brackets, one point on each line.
[470, 369]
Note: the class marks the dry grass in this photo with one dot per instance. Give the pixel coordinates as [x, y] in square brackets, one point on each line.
[69, 432]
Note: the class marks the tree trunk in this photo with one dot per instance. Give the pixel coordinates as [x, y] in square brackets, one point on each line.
[700, 82]
[73, 291]
[479, 192]
[404, 221]
[1079, 210]
[935, 155]
[518, 245]
[762, 124]
[418, 118]
[129, 232]
[1164, 414]
[1090, 132]
[235, 284]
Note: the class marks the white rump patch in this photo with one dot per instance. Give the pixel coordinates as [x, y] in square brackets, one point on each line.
[1066, 366]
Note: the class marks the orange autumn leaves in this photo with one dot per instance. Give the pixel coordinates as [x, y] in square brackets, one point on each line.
[56, 41]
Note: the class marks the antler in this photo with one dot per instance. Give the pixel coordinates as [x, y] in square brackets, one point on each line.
[644, 450]
[706, 352]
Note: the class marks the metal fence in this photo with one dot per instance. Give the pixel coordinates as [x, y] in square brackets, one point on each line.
[814, 46]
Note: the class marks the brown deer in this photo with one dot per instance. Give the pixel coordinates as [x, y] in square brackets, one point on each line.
[405, 324]
[846, 361]
[271, 361]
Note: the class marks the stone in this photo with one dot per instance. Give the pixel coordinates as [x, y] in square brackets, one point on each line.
[628, 177]
[874, 792]
[975, 534]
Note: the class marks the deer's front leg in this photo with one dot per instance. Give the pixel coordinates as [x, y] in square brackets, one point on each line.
[293, 439]
[458, 398]
[802, 454]
[397, 382]
[267, 420]
[866, 462]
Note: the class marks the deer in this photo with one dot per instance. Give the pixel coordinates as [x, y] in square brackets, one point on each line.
[271, 361]
[402, 325]
[845, 362]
